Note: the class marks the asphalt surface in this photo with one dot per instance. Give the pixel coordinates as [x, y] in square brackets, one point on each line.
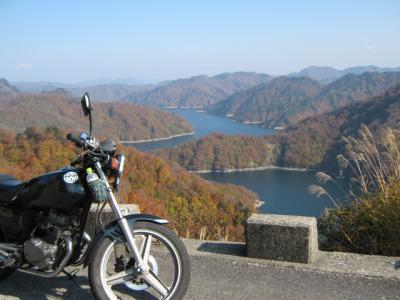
[214, 277]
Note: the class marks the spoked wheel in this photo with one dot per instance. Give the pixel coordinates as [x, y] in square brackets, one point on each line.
[112, 272]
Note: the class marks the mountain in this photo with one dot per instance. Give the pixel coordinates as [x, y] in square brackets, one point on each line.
[6, 89]
[201, 90]
[40, 86]
[285, 101]
[312, 143]
[196, 208]
[316, 141]
[273, 103]
[112, 92]
[354, 88]
[217, 151]
[328, 74]
[122, 121]
[319, 73]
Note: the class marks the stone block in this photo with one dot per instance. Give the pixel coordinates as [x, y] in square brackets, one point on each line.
[282, 237]
[107, 215]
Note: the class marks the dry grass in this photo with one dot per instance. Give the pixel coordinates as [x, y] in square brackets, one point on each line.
[371, 224]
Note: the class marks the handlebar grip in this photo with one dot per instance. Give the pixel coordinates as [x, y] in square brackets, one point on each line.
[76, 140]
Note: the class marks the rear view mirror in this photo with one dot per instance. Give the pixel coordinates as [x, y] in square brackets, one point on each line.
[87, 110]
[86, 106]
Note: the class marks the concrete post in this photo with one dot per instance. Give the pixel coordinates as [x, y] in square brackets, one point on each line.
[282, 237]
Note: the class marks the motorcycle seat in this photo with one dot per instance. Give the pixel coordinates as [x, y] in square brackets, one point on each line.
[9, 187]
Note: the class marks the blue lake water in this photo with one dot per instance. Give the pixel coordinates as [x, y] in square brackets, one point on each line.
[203, 124]
[284, 192]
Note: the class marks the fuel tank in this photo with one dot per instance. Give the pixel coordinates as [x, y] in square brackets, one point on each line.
[63, 190]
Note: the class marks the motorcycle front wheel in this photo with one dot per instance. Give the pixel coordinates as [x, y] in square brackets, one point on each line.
[112, 270]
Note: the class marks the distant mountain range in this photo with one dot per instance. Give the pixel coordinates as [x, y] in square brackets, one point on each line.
[113, 92]
[312, 143]
[40, 86]
[58, 108]
[200, 91]
[197, 91]
[328, 74]
[285, 101]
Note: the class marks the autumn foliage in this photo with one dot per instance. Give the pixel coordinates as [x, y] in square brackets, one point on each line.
[196, 208]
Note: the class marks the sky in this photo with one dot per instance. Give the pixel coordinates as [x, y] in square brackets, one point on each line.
[72, 41]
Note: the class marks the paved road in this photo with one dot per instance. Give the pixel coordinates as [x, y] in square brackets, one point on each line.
[214, 277]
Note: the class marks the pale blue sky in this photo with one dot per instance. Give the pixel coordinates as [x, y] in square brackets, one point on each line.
[157, 40]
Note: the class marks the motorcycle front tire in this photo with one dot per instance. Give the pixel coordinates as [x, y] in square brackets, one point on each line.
[142, 228]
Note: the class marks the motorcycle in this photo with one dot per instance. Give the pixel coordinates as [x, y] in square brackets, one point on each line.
[42, 228]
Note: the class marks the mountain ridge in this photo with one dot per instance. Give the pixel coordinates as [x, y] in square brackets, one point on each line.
[278, 105]
[326, 74]
[122, 121]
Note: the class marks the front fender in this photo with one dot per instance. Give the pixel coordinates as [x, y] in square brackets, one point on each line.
[114, 232]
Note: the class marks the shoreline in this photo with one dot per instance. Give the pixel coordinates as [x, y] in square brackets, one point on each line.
[158, 139]
[252, 169]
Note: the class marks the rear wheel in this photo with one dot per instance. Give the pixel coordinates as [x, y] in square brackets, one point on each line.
[112, 270]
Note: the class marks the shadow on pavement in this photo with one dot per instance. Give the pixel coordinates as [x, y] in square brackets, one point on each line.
[25, 286]
[223, 248]
[397, 265]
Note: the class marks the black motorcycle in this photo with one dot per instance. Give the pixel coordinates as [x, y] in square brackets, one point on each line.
[42, 229]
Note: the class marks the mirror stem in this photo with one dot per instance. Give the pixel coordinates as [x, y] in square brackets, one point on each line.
[90, 124]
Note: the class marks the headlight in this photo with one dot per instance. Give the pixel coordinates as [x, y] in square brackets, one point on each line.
[117, 182]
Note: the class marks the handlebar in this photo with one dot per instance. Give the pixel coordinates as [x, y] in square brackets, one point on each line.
[86, 146]
[73, 138]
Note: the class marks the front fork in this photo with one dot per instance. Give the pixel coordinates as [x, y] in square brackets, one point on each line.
[123, 223]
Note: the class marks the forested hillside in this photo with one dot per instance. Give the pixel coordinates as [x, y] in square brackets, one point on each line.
[196, 207]
[316, 141]
[286, 101]
[274, 103]
[312, 143]
[199, 91]
[122, 121]
[220, 152]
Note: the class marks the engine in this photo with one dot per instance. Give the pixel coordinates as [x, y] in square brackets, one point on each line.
[45, 249]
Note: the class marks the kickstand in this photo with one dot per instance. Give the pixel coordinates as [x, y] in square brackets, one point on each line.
[71, 275]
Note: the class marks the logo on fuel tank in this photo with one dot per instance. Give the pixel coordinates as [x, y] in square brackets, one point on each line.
[70, 177]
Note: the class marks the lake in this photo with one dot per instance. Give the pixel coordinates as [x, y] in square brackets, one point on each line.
[204, 123]
[283, 191]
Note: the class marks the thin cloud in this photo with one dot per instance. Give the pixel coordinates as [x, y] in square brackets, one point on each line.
[369, 48]
[24, 66]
